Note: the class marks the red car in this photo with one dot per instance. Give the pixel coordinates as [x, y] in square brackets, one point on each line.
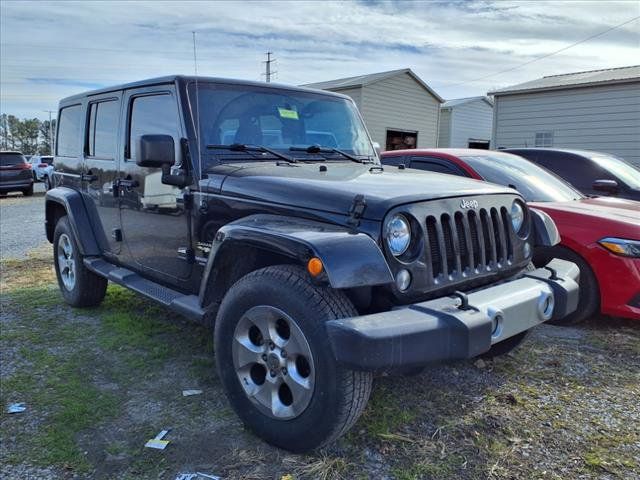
[600, 234]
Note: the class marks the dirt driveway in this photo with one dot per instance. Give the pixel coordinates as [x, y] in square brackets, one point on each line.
[99, 383]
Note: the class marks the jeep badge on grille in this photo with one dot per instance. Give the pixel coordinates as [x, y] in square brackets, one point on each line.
[468, 203]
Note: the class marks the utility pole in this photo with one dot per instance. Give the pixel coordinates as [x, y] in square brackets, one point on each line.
[51, 149]
[267, 64]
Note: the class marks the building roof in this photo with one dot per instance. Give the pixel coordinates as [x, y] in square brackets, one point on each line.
[364, 80]
[461, 101]
[577, 79]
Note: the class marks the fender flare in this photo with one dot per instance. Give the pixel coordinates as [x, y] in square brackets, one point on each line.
[545, 231]
[79, 219]
[350, 259]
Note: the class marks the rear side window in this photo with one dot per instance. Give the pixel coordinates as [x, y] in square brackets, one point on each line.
[10, 159]
[435, 167]
[68, 144]
[152, 115]
[103, 129]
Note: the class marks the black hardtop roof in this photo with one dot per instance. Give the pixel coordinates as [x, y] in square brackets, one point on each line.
[187, 79]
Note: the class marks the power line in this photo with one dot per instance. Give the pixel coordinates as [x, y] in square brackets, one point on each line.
[537, 59]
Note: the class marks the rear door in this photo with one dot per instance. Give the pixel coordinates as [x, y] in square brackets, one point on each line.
[154, 223]
[101, 149]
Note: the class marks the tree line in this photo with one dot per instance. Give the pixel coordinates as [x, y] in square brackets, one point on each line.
[31, 136]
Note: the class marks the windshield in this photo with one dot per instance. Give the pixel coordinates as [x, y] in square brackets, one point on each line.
[534, 183]
[278, 120]
[621, 169]
[10, 159]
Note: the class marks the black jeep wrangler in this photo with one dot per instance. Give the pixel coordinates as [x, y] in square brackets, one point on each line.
[264, 211]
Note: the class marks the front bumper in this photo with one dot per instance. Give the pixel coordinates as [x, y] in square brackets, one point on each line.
[440, 330]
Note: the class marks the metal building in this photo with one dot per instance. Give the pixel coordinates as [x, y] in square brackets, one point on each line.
[596, 110]
[466, 123]
[399, 109]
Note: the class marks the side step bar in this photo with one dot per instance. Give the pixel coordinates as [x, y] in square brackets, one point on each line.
[187, 305]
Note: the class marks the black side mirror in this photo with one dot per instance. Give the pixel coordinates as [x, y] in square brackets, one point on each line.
[155, 151]
[607, 186]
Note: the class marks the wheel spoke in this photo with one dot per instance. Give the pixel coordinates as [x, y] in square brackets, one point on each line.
[300, 387]
[246, 352]
[263, 318]
[294, 346]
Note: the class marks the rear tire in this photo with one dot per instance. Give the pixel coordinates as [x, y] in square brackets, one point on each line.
[589, 295]
[79, 286]
[274, 309]
[28, 192]
[47, 183]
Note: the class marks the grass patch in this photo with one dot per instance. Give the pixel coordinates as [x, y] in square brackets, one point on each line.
[385, 414]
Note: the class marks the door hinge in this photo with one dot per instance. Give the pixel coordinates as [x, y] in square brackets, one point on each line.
[188, 200]
[187, 254]
[357, 209]
[116, 233]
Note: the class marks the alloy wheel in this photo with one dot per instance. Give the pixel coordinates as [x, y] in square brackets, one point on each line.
[273, 362]
[66, 262]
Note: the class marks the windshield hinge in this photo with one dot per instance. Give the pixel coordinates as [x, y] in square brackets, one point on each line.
[357, 209]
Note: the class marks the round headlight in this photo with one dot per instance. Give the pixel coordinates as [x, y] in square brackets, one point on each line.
[517, 216]
[398, 234]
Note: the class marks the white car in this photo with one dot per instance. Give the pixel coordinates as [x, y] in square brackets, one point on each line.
[42, 168]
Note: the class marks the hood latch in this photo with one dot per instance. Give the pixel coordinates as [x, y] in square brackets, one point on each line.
[357, 209]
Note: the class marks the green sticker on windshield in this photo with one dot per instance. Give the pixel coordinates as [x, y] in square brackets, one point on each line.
[286, 113]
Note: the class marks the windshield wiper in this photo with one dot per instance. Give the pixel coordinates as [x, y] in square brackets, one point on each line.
[319, 149]
[241, 147]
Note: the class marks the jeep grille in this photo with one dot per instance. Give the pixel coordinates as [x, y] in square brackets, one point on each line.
[467, 241]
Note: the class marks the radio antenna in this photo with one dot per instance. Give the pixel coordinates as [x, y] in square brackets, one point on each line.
[195, 68]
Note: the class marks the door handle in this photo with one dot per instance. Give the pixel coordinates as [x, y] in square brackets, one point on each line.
[88, 177]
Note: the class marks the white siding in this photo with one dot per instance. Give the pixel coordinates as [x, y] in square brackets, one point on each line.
[400, 103]
[603, 118]
[444, 130]
[355, 93]
[470, 120]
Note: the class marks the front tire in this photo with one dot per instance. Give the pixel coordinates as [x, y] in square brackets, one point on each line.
[276, 363]
[589, 293]
[47, 183]
[79, 286]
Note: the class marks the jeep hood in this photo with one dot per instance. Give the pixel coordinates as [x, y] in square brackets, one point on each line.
[306, 186]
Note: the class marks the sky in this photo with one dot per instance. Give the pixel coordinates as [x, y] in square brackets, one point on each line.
[49, 50]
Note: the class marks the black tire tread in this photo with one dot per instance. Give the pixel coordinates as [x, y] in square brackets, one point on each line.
[90, 287]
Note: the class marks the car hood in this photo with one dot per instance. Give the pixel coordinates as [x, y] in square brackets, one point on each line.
[613, 215]
[305, 185]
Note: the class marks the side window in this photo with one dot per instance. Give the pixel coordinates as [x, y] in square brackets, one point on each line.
[68, 141]
[103, 129]
[437, 167]
[152, 115]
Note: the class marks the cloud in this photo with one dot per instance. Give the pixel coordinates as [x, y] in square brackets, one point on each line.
[75, 46]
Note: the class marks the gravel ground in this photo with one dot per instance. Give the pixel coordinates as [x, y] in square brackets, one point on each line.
[21, 223]
[98, 383]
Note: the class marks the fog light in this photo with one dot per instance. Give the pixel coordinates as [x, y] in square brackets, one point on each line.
[526, 249]
[403, 280]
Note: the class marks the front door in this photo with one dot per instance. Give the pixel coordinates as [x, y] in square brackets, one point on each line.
[153, 218]
[101, 166]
